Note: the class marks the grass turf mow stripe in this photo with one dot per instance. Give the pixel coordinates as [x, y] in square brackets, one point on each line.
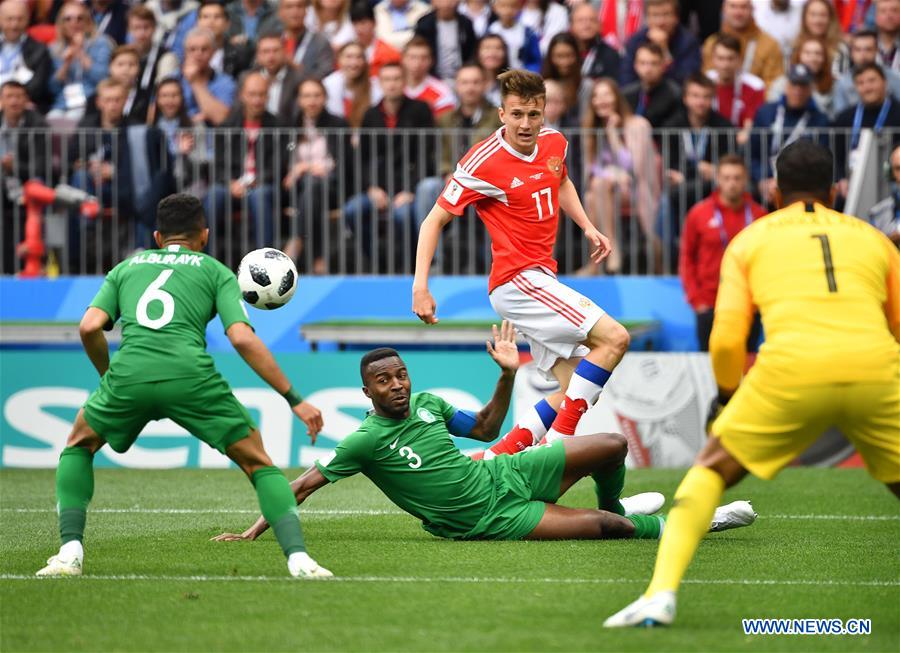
[462, 579]
[338, 512]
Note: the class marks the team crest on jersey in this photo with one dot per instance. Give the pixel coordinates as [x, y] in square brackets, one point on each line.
[425, 415]
[584, 302]
[554, 163]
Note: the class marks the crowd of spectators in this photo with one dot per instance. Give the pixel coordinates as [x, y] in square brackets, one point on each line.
[187, 93]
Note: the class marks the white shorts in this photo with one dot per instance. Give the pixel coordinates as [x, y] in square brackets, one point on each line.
[554, 319]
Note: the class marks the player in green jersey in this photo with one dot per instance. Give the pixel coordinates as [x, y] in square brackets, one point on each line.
[164, 299]
[404, 447]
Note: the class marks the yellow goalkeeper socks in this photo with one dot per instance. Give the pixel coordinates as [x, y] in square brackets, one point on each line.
[688, 521]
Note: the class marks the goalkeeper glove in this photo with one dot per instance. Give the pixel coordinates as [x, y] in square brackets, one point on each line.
[715, 408]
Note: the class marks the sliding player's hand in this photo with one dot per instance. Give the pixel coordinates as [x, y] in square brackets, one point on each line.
[504, 350]
[424, 306]
[230, 537]
[601, 244]
[311, 416]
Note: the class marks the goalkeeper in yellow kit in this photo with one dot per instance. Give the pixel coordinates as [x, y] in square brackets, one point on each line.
[828, 288]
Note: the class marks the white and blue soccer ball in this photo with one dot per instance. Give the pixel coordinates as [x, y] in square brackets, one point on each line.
[268, 278]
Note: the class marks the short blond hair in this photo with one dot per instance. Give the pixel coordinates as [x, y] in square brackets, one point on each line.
[111, 84]
[523, 83]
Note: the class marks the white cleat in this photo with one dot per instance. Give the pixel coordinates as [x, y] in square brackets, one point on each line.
[732, 515]
[57, 566]
[645, 503]
[646, 612]
[302, 566]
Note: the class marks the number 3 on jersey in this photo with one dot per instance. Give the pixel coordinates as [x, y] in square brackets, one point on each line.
[539, 203]
[409, 454]
[155, 293]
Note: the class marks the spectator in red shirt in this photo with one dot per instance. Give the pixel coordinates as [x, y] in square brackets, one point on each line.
[709, 227]
[417, 62]
[378, 52]
[738, 93]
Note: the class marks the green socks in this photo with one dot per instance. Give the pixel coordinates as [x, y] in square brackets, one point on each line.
[608, 487]
[74, 489]
[279, 507]
[647, 527]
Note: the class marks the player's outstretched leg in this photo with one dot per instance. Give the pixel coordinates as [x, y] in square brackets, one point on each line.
[602, 457]
[689, 520]
[528, 432]
[608, 341]
[74, 490]
[277, 503]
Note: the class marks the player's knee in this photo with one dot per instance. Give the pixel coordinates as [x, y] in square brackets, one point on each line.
[619, 446]
[83, 436]
[619, 339]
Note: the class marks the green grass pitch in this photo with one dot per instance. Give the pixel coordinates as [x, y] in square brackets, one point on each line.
[825, 545]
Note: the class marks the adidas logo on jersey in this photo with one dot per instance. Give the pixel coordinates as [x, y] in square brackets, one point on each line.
[516, 182]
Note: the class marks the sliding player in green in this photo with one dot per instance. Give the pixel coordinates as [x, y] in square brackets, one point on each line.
[164, 299]
[404, 447]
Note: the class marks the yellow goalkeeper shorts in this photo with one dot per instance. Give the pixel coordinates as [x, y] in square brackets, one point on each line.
[766, 426]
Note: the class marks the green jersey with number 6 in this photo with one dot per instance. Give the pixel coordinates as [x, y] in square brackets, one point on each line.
[165, 298]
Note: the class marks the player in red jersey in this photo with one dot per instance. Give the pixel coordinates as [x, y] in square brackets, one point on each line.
[517, 181]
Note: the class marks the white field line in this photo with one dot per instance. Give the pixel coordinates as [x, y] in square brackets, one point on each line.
[466, 580]
[329, 512]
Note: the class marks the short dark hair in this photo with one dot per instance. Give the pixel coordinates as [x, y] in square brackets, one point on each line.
[866, 67]
[658, 3]
[471, 64]
[179, 214]
[360, 11]
[418, 42]
[13, 83]
[373, 356]
[268, 34]
[652, 48]
[865, 34]
[805, 167]
[142, 12]
[699, 79]
[390, 64]
[728, 42]
[215, 3]
[732, 159]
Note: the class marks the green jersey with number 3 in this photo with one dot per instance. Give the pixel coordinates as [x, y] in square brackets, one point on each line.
[165, 298]
[415, 463]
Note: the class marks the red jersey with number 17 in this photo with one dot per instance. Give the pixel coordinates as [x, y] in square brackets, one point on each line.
[517, 198]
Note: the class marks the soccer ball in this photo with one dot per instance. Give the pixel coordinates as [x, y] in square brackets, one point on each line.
[267, 278]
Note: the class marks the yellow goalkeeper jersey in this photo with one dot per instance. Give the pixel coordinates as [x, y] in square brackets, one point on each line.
[828, 288]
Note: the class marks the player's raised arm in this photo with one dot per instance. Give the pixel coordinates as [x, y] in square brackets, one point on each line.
[505, 353]
[303, 486]
[429, 235]
[258, 357]
[571, 204]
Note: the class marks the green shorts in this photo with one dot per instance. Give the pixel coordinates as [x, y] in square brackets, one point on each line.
[204, 406]
[524, 483]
